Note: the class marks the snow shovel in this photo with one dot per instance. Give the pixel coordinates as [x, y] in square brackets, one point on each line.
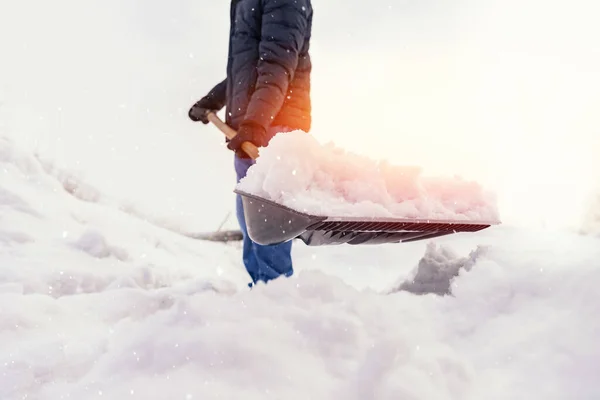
[270, 223]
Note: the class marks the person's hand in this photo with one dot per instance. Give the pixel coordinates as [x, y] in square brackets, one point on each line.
[248, 132]
[199, 111]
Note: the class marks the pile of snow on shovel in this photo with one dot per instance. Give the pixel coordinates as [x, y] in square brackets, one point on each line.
[295, 170]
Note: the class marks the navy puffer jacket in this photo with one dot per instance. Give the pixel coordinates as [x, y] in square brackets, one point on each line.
[268, 68]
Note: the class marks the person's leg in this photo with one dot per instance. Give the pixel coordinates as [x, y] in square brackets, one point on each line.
[274, 260]
[263, 263]
[248, 255]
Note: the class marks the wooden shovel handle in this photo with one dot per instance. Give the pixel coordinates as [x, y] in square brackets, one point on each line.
[248, 147]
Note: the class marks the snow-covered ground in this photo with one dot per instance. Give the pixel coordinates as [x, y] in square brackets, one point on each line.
[100, 298]
[96, 302]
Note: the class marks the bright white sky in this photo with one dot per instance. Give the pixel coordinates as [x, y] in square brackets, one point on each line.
[504, 92]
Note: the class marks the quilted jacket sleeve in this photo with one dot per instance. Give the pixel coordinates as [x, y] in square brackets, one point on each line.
[217, 97]
[284, 25]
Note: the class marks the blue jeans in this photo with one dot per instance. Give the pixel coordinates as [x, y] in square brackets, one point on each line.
[263, 263]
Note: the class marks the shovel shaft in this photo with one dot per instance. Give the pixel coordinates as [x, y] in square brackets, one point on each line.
[248, 147]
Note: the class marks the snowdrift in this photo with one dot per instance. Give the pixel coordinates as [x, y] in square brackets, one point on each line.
[97, 303]
[296, 171]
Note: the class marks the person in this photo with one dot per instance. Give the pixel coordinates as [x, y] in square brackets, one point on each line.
[266, 91]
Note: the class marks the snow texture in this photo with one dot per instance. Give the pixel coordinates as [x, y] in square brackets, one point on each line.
[591, 220]
[297, 171]
[98, 303]
[437, 269]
